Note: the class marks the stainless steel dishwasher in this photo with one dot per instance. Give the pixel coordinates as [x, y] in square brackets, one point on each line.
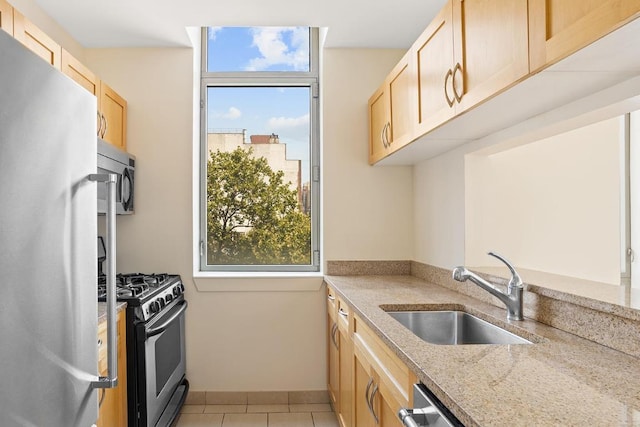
[428, 411]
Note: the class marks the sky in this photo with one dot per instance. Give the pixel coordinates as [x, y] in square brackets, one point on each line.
[262, 110]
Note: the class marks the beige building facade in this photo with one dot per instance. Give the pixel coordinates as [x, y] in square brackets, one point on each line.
[267, 146]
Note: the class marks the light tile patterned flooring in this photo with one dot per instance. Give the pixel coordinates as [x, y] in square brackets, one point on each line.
[300, 415]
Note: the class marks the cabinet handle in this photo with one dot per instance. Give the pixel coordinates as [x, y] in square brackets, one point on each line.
[366, 395]
[373, 396]
[334, 330]
[446, 93]
[104, 128]
[457, 68]
[384, 143]
[343, 313]
[99, 122]
[386, 134]
[331, 297]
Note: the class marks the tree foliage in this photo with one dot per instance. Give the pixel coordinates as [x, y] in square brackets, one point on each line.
[253, 217]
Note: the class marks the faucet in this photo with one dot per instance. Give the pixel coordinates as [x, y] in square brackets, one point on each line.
[512, 299]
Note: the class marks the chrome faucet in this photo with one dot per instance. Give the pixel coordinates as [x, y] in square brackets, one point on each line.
[512, 299]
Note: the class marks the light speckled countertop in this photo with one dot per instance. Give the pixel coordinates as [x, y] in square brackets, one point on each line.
[102, 310]
[560, 380]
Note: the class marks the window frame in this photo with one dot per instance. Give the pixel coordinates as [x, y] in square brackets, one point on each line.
[310, 79]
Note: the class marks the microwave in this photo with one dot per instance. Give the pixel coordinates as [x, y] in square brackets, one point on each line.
[114, 160]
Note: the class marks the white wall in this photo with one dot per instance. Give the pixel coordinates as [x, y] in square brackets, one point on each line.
[250, 340]
[552, 205]
[368, 211]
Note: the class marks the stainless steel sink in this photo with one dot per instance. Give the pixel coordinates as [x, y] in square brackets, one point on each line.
[453, 327]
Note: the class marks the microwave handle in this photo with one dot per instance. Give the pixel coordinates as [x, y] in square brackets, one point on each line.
[111, 380]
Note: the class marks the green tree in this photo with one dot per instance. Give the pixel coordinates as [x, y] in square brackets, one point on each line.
[253, 217]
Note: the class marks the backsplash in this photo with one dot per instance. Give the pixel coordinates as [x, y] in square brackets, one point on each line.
[606, 324]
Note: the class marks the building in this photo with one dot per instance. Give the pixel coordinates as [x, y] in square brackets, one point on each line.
[267, 146]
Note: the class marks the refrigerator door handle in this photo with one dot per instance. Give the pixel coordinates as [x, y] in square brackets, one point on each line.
[111, 380]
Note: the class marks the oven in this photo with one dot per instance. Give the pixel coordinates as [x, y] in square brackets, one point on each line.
[160, 351]
[156, 362]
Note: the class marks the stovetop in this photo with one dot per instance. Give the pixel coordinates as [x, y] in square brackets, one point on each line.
[138, 287]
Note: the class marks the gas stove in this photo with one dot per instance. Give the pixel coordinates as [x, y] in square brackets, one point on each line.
[148, 293]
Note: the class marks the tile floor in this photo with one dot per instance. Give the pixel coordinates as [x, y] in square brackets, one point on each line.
[292, 415]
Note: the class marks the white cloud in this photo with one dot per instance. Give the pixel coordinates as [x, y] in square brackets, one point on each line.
[283, 123]
[212, 31]
[270, 41]
[231, 114]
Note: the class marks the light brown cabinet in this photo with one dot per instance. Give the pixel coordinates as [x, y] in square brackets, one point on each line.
[36, 40]
[113, 109]
[6, 17]
[392, 111]
[467, 53]
[79, 73]
[558, 28]
[345, 368]
[113, 410]
[372, 382]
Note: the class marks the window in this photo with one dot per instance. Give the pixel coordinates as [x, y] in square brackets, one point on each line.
[259, 169]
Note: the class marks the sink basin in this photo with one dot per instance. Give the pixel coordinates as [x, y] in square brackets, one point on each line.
[454, 327]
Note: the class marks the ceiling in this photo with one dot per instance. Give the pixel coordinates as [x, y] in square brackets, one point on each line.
[143, 23]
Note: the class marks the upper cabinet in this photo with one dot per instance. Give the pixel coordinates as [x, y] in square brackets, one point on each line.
[79, 73]
[490, 48]
[560, 27]
[392, 111]
[113, 109]
[36, 40]
[6, 17]
[468, 53]
[484, 66]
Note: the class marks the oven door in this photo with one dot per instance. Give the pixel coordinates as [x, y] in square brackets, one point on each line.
[164, 354]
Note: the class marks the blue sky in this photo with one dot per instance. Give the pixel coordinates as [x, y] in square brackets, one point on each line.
[261, 110]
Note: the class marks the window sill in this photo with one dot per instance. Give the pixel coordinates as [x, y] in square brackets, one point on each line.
[257, 281]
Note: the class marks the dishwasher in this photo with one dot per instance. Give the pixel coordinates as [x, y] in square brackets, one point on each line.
[428, 411]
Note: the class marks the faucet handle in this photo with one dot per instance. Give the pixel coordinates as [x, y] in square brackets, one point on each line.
[516, 280]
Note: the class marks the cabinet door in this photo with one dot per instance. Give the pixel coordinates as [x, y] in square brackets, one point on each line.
[490, 48]
[363, 384]
[114, 109]
[6, 17]
[378, 123]
[401, 85]
[79, 73]
[558, 28]
[36, 40]
[345, 377]
[113, 410]
[433, 52]
[334, 360]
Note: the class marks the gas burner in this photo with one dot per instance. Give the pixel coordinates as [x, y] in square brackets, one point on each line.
[139, 287]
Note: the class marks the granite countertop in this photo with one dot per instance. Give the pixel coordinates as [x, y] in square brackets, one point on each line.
[561, 379]
[102, 310]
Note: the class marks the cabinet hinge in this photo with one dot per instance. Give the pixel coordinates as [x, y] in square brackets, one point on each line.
[316, 174]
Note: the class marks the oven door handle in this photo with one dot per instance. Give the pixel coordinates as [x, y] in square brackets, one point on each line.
[164, 325]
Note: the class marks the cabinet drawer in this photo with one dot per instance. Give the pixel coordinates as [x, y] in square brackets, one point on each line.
[332, 304]
[343, 317]
[395, 378]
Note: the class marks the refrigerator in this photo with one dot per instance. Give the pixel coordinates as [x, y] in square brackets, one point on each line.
[48, 245]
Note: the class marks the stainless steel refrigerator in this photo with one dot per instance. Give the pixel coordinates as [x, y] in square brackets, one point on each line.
[48, 245]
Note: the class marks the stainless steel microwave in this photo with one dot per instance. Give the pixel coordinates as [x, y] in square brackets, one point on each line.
[113, 160]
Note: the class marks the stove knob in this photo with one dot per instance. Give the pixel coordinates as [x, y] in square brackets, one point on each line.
[154, 307]
[181, 288]
[160, 302]
[177, 291]
[168, 298]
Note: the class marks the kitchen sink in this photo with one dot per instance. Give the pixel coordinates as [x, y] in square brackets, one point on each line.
[452, 327]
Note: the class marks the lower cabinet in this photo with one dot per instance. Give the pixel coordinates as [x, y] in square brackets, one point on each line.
[367, 380]
[113, 409]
